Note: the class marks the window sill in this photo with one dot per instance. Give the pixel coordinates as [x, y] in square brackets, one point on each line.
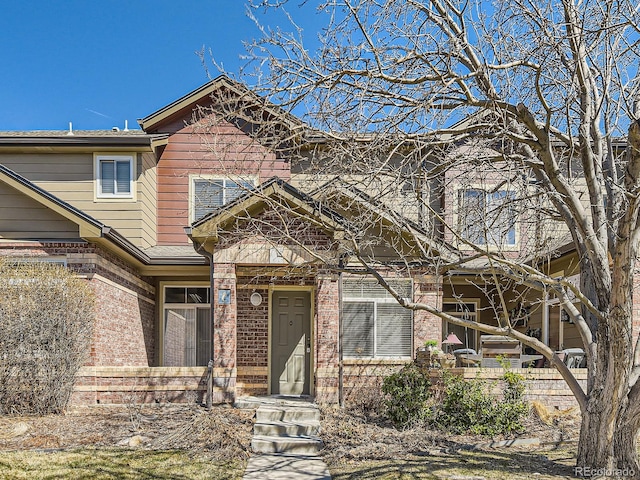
[114, 199]
[376, 361]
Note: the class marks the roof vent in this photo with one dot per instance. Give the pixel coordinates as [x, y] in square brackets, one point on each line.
[115, 129]
[70, 132]
[126, 125]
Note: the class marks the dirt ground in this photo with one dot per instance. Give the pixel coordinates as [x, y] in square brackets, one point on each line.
[353, 438]
[223, 433]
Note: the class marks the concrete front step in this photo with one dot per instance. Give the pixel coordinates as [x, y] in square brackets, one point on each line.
[300, 445]
[275, 428]
[249, 402]
[287, 414]
[285, 426]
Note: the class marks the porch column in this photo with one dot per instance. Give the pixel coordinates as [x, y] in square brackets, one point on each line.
[327, 337]
[427, 289]
[224, 298]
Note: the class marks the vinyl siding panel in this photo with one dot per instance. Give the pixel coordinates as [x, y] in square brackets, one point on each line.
[70, 177]
[147, 180]
[67, 167]
[24, 218]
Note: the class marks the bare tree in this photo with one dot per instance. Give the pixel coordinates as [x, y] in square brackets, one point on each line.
[417, 99]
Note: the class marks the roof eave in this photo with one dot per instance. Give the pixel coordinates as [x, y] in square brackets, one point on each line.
[143, 142]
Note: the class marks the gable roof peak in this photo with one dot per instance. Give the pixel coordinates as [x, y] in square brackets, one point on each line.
[185, 105]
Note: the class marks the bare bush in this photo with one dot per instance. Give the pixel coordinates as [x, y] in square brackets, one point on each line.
[46, 323]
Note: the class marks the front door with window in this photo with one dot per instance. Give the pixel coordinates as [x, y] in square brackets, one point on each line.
[290, 342]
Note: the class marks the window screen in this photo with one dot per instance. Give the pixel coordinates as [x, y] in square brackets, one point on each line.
[115, 176]
[209, 194]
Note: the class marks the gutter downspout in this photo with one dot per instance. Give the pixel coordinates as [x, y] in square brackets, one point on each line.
[340, 336]
[198, 247]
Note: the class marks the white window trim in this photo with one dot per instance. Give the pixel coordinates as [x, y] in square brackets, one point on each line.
[458, 212]
[253, 179]
[376, 301]
[99, 195]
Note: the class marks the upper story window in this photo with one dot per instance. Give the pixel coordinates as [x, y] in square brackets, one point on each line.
[209, 193]
[114, 176]
[488, 217]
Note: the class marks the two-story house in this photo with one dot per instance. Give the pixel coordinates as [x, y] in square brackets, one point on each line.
[203, 241]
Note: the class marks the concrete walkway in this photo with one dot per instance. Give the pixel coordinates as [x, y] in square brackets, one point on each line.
[283, 466]
[285, 440]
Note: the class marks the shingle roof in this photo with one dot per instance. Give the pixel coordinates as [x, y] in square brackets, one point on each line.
[76, 133]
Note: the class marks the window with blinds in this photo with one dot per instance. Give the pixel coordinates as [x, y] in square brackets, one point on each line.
[374, 324]
[114, 176]
[209, 194]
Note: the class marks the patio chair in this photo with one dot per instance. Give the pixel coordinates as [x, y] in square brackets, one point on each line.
[498, 349]
[464, 357]
[574, 358]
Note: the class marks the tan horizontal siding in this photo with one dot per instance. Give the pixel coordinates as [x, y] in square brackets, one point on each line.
[37, 229]
[70, 177]
[63, 167]
[21, 217]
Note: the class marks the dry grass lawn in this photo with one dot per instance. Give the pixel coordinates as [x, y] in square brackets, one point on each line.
[130, 442]
[112, 463]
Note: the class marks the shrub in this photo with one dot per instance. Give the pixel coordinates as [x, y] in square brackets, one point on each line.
[46, 323]
[364, 400]
[463, 406]
[469, 407]
[407, 394]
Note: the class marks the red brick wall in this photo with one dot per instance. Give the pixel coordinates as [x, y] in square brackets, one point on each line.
[125, 302]
[224, 336]
[124, 333]
[253, 329]
[426, 326]
[253, 341]
[327, 337]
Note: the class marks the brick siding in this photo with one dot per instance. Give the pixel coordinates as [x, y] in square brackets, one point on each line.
[125, 302]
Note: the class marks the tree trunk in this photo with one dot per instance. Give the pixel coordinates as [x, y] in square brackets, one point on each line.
[609, 426]
[595, 447]
[625, 448]
[608, 442]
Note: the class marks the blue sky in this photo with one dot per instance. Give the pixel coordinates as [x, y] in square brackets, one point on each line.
[97, 63]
